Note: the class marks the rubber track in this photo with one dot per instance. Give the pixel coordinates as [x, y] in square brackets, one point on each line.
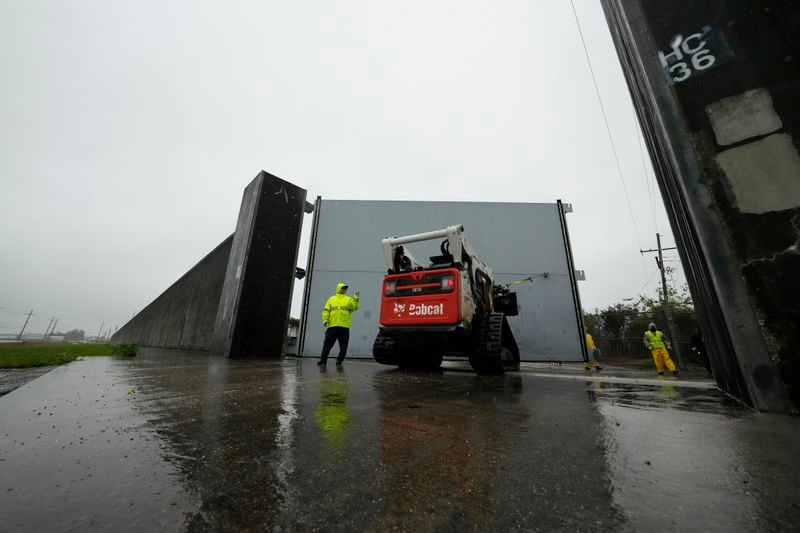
[486, 358]
[384, 350]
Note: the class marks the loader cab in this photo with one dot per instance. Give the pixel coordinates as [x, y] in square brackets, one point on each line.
[482, 288]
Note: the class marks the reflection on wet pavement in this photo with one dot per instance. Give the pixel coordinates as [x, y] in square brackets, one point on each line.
[666, 395]
[332, 416]
[189, 442]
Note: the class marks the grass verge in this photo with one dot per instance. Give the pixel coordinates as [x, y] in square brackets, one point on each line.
[44, 354]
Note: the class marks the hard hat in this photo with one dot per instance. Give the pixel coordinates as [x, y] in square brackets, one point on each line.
[651, 325]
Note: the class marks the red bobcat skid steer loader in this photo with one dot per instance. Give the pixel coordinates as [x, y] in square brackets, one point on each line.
[448, 306]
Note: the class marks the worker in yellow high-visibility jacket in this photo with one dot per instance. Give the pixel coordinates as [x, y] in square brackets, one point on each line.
[594, 353]
[657, 343]
[336, 317]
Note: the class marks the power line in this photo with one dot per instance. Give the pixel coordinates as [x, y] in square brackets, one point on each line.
[631, 312]
[12, 312]
[646, 283]
[605, 120]
[651, 178]
[645, 174]
[36, 321]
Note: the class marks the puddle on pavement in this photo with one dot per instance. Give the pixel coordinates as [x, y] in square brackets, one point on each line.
[204, 444]
[666, 396]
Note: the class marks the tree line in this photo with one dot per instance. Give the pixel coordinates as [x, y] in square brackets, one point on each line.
[618, 329]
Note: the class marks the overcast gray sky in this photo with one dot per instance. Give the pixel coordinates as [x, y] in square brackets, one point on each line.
[129, 129]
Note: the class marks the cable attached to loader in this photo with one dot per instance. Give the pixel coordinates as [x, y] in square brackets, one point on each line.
[529, 278]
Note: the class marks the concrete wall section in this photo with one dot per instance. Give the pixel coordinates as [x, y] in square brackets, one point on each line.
[253, 313]
[236, 301]
[715, 86]
[516, 240]
[183, 315]
[204, 300]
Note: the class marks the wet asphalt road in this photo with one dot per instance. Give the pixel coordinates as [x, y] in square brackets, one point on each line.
[175, 442]
[13, 378]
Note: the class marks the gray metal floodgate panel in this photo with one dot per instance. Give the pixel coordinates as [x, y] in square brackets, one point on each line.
[516, 240]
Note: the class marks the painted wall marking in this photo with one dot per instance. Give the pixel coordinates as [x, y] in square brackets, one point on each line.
[694, 54]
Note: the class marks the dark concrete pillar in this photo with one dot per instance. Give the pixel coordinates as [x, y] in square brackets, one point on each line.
[253, 314]
[715, 85]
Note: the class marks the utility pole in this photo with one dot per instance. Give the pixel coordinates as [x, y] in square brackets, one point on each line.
[25, 324]
[660, 262]
[47, 329]
[53, 329]
[101, 331]
[665, 299]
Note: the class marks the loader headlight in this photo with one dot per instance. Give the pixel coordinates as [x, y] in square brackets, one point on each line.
[447, 283]
[389, 287]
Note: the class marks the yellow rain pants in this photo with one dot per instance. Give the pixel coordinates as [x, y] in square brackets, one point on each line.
[661, 358]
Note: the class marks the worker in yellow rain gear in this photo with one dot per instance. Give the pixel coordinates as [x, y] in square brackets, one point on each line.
[594, 353]
[658, 343]
[336, 317]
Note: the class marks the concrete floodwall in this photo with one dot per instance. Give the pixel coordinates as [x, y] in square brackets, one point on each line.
[715, 86]
[236, 301]
[517, 240]
[183, 315]
[253, 315]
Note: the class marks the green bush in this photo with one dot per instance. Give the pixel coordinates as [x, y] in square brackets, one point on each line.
[127, 349]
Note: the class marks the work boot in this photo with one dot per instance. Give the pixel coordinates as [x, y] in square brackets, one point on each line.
[339, 363]
[661, 373]
[598, 368]
[675, 372]
[321, 362]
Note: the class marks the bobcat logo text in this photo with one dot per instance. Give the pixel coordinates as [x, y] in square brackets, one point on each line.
[425, 309]
[404, 309]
